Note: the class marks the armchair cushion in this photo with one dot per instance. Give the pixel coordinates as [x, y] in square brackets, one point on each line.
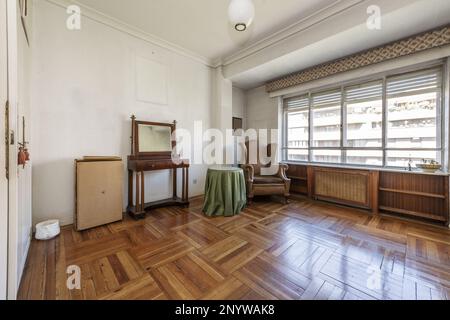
[267, 180]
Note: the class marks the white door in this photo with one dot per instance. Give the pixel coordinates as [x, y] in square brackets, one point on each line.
[3, 158]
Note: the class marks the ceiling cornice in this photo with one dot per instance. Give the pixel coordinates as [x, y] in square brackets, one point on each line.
[318, 17]
[119, 25]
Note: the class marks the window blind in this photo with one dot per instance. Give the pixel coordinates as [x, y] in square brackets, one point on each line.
[365, 92]
[300, 102]
[414, 83]
[326, 99]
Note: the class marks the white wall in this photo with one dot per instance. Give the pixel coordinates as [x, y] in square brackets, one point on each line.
[262, 111]
[83, 96]
[239, 102]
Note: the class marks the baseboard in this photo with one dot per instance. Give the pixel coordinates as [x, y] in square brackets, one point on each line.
[196, 197]
[23, 264]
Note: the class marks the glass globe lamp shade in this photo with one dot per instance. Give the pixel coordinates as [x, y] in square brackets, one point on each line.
[241, 14]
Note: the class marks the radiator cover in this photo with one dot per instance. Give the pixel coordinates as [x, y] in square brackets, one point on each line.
[345, 186]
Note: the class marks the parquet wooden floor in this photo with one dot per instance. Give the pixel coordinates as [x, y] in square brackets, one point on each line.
[303, 250]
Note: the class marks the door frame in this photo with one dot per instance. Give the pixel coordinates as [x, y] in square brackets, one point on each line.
[3, 179]
[3, 158]
[12, 215]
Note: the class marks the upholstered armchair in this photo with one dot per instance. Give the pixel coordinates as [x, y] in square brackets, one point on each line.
[260, 184]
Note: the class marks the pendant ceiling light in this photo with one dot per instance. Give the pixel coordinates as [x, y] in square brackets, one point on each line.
[241, 14]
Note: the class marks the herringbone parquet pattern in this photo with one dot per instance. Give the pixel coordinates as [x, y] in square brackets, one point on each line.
[303, 250]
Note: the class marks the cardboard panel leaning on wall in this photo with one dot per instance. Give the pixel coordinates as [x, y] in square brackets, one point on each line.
[84, 91]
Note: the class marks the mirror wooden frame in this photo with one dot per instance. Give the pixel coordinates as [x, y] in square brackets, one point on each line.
[135, 139]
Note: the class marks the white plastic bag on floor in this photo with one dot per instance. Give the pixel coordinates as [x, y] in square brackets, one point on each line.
[47, 230]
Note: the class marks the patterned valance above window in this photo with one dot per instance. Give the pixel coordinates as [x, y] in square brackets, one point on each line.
[428, 40]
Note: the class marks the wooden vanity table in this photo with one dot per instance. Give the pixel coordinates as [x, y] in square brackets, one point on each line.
[151, 150]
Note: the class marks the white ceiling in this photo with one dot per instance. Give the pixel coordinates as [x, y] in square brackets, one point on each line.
[201, 26]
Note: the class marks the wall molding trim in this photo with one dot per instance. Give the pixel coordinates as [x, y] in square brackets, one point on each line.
[435, 38]
[121, 26]
[318, 17]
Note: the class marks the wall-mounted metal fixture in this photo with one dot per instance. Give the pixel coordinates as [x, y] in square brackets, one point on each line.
[23, 156]
[7, 139]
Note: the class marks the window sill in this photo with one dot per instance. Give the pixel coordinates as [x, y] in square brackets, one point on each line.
[367, 168]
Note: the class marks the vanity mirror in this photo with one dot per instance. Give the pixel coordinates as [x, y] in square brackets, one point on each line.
[152, 138]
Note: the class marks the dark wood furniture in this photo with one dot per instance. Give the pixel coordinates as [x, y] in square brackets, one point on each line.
[262, 185]
[409, 194]
[141, 161]
[419, 195]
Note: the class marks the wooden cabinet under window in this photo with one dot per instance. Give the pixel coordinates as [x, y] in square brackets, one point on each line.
[418, 195]
[409, 194]
[299, 176]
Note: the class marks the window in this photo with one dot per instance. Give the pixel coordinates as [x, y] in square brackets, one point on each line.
[364, 110]
[363, 105]
[297, 120]
[326, 126]
[413, 117]
[386, 122]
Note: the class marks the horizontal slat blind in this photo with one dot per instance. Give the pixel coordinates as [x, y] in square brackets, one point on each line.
[300, 102]
[419, 82]
[326, 99]
[364, 92]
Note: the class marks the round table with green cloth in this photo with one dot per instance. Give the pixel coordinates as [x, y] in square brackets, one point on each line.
[225, 193]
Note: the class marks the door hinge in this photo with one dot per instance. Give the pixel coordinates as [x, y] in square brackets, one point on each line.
[7, 140]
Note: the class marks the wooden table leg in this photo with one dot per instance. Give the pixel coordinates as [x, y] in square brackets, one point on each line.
[137, 205]
[174, 183]
[130, 188]
[183, 196]
[187, 184]
[142, 192]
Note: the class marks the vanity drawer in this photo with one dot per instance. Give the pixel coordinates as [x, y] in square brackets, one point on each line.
[151, 165]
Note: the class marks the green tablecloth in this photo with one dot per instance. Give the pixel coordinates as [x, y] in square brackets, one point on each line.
[225, 193]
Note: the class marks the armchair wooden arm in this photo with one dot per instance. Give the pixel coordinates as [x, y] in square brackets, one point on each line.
[287, 182]
[282, 171]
